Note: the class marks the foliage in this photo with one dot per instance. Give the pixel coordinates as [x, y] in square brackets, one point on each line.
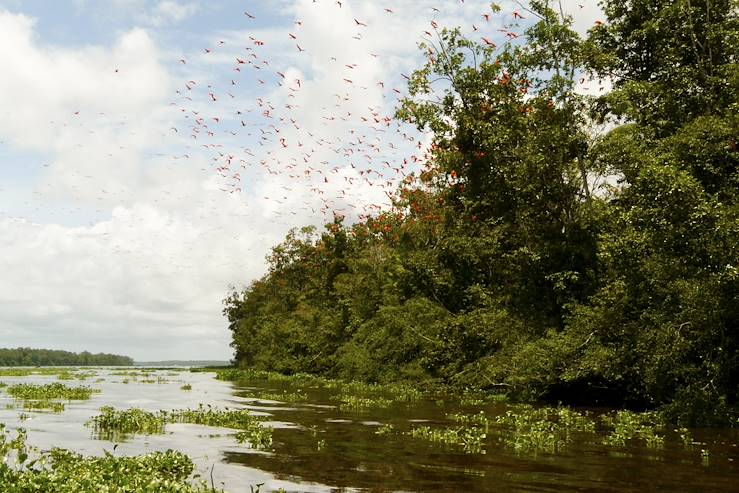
[62, 471]
[503, 266]
[53, 357]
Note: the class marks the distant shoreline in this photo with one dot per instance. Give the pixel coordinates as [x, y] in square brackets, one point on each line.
[183, 363]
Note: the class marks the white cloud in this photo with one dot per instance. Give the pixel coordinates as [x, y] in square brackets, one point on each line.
[171, 11]
[54, 92]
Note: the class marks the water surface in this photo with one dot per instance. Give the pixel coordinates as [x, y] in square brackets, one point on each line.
[321, 448]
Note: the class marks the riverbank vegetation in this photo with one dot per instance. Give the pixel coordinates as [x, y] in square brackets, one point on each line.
[557, 246]
[51, 357]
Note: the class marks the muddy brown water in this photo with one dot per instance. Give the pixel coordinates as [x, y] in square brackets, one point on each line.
[320, 448]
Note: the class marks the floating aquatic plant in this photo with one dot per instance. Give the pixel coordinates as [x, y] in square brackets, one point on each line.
[43, 405]
[279, 396]
[543, 429]
[356, 403]
[386, 429]
[56, 390]
[114, 424]
[23, 469]
[629, 425]
[249, 426]
[471, 438]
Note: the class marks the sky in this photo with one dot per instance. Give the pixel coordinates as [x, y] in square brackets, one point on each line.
[153, 151]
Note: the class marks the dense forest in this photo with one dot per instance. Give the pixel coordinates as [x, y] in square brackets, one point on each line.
[51, 357]
[557, 246]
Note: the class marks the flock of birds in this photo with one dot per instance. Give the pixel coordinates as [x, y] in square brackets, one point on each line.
[268, 127]
[351, 156]
[297, 122]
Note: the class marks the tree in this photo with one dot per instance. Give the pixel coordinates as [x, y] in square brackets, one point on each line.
[510, 160]
[665, 319]
[500, 266]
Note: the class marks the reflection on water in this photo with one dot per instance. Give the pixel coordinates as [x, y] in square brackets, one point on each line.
[319, 448]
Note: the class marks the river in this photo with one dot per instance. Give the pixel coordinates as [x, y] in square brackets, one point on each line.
[320, 445]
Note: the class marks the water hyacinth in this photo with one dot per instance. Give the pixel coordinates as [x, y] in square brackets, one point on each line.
[355, 403]
[543, 429]
[629, 426]
[249, 426]
[115, 424]
[44, 405]
[470, 438]
[25, 470]
[56, 390]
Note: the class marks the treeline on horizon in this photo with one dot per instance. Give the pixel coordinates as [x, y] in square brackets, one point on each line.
[557, 247]
[54, 357]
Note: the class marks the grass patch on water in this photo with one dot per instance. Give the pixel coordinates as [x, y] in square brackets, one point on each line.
[29, 391]
[352, 396]
[356, 403]
[24, 470]
[75, 375]
[543, 429]
[65, 373]
[524, 429]
[470, 438]
[284, 396]
[43, 405]
[400, 392]
[112, 424]
[629, 426]
[249, 426]
[15, 372]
